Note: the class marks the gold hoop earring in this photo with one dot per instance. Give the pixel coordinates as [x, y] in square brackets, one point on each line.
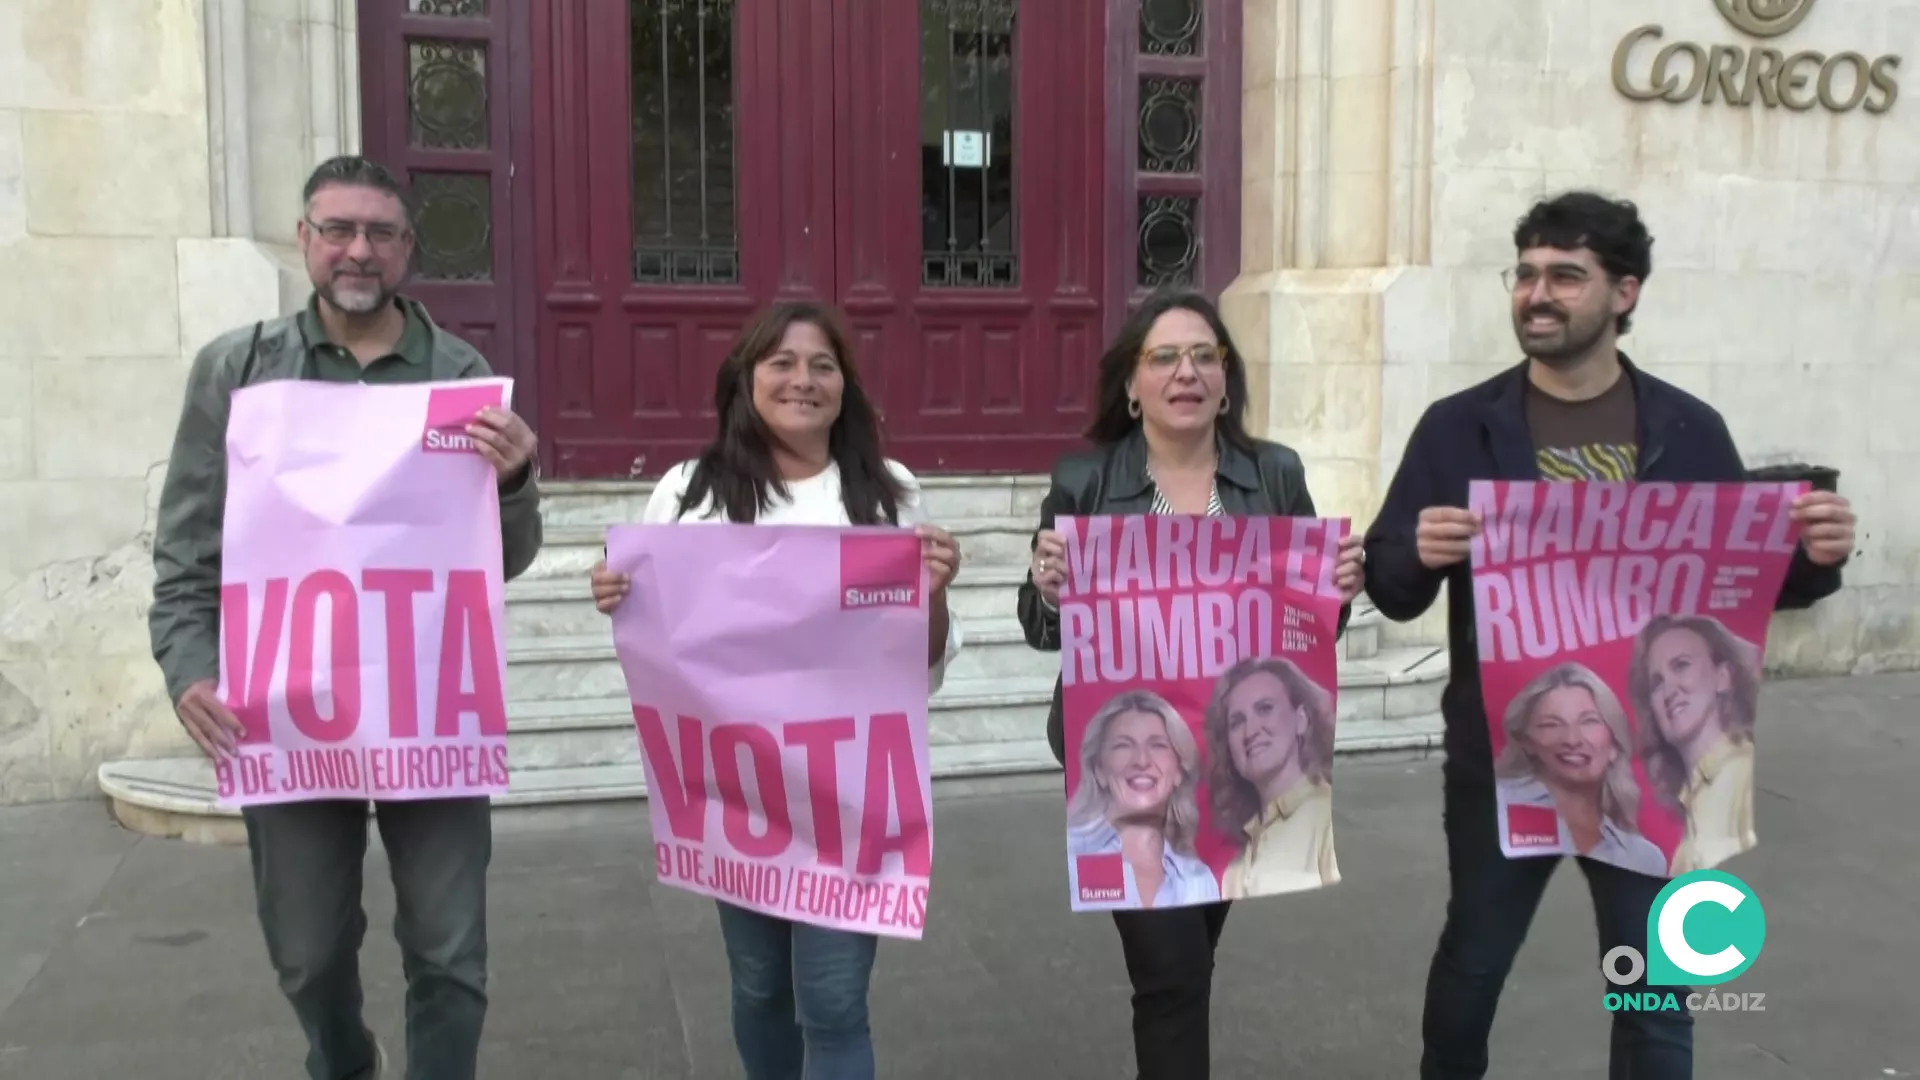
[1133, 408]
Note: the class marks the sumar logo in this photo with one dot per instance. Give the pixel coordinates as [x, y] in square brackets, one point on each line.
[1705, 928]
[449, 410]
[879, 570]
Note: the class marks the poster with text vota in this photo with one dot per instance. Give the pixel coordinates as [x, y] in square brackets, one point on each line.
[1199, 693]
[1621, 629]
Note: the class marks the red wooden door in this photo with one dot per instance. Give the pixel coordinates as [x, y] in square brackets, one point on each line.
[443, 105]
[932, 166]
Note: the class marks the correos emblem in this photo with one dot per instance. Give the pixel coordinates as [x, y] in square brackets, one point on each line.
[1764, 18]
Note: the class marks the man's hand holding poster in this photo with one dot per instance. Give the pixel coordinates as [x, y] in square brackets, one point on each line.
[1621, 630]
[1199, 682]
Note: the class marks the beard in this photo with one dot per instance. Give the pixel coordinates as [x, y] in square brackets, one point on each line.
[357, 296]
[1567, 343]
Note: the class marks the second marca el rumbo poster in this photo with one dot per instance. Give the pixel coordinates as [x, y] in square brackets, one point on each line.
[1199, 684]
[1621, 632]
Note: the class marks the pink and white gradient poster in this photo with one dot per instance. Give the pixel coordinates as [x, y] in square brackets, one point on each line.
[1200, 690]
[362, 594]
[779, 685]
[1622, 629]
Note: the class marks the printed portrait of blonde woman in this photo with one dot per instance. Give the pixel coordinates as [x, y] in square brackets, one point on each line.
[1139, 798]
[1696, 690]
[1569, 747]
[1270, 741]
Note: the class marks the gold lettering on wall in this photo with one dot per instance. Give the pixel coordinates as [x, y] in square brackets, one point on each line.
[1681, 71]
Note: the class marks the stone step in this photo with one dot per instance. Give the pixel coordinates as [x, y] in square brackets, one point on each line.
[571, 550]
[1384, 693]
[563, 606]
[176, 797]
[554, 667]
[947, 498]
[584, 666]
[585, 749]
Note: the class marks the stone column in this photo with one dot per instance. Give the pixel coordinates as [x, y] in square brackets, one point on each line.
[283, 94]
[1336, 311]
[1334, 295]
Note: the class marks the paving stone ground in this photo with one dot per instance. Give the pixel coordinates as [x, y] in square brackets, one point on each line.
[128, 957]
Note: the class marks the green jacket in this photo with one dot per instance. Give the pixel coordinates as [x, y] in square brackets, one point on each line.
[184, 623]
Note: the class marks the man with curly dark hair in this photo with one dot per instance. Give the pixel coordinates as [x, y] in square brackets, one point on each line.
[1576, 409]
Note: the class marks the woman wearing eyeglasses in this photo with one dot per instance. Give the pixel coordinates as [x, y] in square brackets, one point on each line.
[1170, 437]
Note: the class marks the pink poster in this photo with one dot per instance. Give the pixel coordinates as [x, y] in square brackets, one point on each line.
[1621, 631]
[779, 685]
[361, 594]
[1200, 683]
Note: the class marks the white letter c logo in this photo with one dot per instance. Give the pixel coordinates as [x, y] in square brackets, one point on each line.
[1673, 934]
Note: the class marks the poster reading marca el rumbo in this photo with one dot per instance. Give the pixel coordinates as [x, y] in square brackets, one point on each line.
[1199, 684]
[1621, 630]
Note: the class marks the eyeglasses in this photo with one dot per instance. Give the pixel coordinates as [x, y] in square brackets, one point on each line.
[341, 233]
[1168, 357]
[1563, 282]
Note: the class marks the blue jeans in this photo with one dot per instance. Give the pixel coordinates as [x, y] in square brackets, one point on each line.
[1488, 916]
[307, 863]
[799, 997]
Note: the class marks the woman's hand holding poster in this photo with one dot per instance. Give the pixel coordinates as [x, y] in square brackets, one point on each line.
[1199, 681]
[1621, 632]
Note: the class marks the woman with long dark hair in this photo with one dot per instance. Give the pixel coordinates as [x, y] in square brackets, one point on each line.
[1170, 437]
[799, 444]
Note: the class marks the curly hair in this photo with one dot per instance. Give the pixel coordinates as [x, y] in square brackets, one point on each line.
[1089, 802]
[1610, 228]
[1738, 707]
[1619, 791]
[1234, 799]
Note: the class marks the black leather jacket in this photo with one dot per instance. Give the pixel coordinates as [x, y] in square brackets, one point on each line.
[1266, 480]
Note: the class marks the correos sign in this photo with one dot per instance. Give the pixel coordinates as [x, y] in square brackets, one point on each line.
[1681, 71]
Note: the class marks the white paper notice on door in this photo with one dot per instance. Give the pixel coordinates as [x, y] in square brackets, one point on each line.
[966, 149]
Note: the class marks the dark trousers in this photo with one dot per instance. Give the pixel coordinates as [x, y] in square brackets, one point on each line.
[1170, 961]
[307, 871]
[1488, 915]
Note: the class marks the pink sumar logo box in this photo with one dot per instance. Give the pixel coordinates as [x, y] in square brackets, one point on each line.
[1102, 878]
[1532, 827]
[449, 410]
[879, 571]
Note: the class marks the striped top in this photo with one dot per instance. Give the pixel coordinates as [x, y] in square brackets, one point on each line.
[1214, 509]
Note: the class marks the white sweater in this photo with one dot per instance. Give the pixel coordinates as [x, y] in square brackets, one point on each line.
[814, 501]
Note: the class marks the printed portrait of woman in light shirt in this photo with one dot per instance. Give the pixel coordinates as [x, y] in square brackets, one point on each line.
[1270, 740]
[1696, 689]
[1138, 797]
[1569, 748]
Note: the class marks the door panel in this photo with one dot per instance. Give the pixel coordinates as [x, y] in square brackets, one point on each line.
[701, 158]
[1003, 320]
[439, 109]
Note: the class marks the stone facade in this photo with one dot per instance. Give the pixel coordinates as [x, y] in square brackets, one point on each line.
[134, 135]
[1391, 145]
[151, 154]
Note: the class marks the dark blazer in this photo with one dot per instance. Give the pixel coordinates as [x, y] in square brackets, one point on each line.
[1481, 433]
[1265, 479]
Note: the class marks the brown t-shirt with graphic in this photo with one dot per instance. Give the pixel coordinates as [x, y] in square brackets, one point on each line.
[1585, 440]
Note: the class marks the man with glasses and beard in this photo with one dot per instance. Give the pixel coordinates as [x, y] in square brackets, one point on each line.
[1576, 409]
[307, 857]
